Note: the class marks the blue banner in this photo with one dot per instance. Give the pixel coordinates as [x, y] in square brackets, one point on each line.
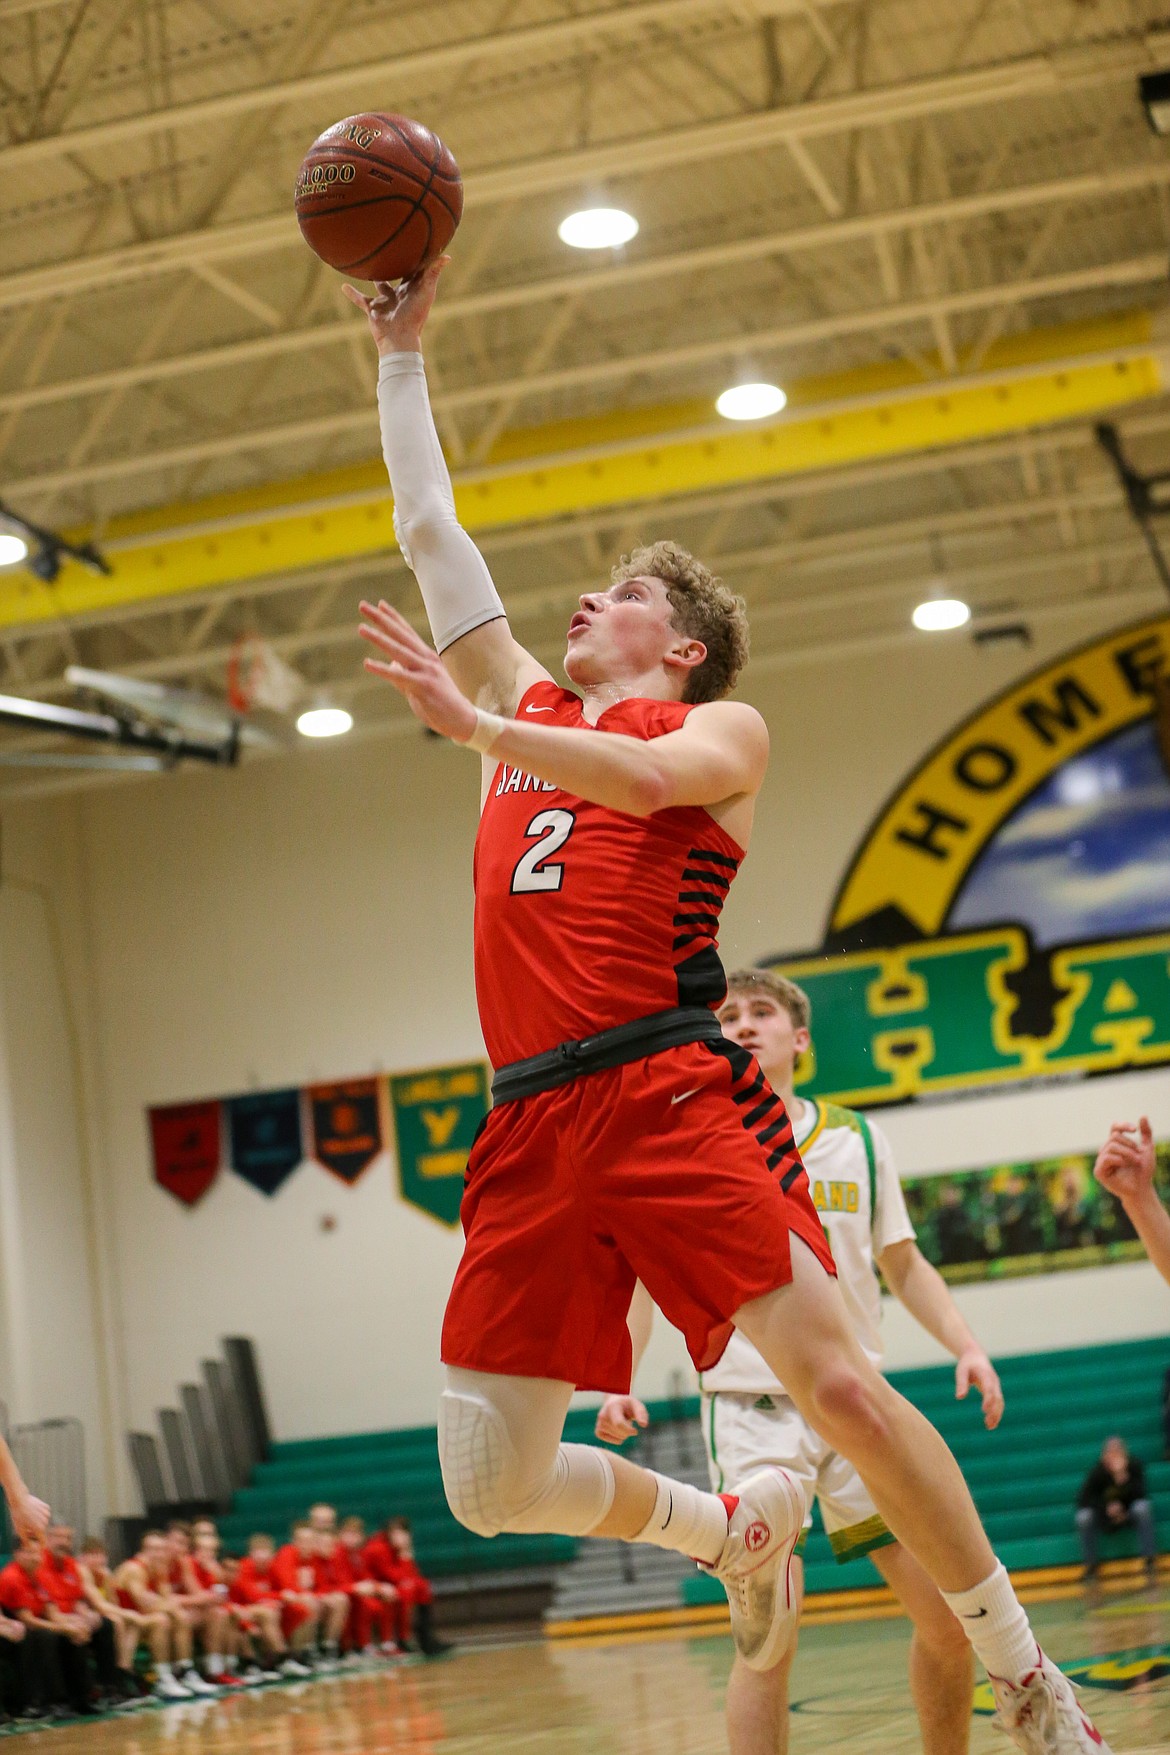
[264, 1133]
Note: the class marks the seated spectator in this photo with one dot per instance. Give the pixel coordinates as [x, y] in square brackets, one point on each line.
[64, 1670]
[286, 1621]
[323, 1519]
[18, 1690]
[371, 1602]
[130, 1628]
[390, 1559]
[222, 1632]
[331, 1594]
[1114, 1497]
[294, 1573]
[144, 1584]
[204, 1613]
[71, 1611]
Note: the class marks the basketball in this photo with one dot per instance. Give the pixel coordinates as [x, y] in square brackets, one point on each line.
[378, 196]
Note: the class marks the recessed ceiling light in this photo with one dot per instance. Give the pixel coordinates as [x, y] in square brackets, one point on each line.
[750, 401]
[325, 722]
[13, 548]
[938, 614]
[598, 228]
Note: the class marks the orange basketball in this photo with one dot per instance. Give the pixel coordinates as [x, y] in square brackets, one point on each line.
[378, 196]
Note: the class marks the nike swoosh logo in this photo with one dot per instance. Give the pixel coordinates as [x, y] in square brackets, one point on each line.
[978, 1616]
[681, 1098]
[540, 709]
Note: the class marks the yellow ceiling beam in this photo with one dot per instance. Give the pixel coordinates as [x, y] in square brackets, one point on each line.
[1029, 381]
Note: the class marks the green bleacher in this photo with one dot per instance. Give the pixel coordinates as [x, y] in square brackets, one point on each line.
[1025, 1476]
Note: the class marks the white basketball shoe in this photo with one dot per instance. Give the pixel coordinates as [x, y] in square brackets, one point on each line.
[764, 1521]
[1042, 1716]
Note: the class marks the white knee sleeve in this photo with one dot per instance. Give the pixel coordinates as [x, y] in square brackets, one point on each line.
[495, 1480]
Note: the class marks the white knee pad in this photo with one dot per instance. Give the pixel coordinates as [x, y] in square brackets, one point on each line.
[491, 1486]
[476, 1457]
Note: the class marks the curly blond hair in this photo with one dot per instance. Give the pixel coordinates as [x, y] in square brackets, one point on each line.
[794, 999]
[704, 609]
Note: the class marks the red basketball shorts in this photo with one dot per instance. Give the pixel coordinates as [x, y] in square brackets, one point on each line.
[679, 1170]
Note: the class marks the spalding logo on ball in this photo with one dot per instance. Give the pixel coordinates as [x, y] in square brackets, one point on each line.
[378, 196]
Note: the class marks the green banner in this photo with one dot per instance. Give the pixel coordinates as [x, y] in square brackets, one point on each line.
[436, 1117]
[1010, 1220]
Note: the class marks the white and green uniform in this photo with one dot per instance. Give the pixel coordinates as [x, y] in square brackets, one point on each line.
[749, 1423]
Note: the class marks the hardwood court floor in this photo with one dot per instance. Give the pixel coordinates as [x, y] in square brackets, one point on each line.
[650, 1696]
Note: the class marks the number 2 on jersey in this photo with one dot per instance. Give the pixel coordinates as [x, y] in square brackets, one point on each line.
[533, 872]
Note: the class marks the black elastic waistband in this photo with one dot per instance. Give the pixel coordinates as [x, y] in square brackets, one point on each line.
[616, 1047]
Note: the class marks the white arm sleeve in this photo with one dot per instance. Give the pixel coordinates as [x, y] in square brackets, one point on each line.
[457, 589]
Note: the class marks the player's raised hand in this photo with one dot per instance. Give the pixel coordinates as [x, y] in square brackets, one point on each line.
[1125, 1163]
[975, 1369]
[619, 1417]
[398, 310]
[417, 671]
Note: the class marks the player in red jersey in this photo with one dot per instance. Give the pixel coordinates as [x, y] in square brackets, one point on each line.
[628, 1138]
[372, 1599]
[415, 1605]
[286, 1620]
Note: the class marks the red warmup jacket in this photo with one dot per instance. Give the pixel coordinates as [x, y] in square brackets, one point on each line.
[20, 1593]
[386, 1564]
[60, 1580]
[349, 1565]
[292, 1571]
[253, 1586]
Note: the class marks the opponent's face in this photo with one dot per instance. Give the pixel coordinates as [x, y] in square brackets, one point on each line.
[156, 1554]
[261, 1555]
[353, 1539]
[627, 632]
[764, 1027]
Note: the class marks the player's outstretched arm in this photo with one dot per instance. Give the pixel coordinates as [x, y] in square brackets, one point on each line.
[467, 618]
[620, 1416]
[1125, 1166]
[29, 1515]
[720, 752]
[924, 1292]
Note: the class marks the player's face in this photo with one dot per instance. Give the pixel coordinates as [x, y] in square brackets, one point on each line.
[261, 1556]
[761, 1024]
[624, 633]
[59, 1538]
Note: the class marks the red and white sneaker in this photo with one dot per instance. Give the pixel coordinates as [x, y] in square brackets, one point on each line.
[1042, 1716]
[764, 1521]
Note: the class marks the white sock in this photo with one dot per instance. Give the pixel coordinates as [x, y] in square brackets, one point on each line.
[213, 1663]
[686, 1520]
[996, 1625]
[163, 1669]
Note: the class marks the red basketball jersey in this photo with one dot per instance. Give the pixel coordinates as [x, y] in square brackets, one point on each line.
[586, 917]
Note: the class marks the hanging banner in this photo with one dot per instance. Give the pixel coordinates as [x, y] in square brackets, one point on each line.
[436, 1117]
[264, 1130]
[186, 1143]
[347, 1126]
[1011, 1220]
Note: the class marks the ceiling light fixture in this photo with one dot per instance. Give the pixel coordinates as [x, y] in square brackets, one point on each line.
[325, 722]
[938, 614]
[751, 401]
[13, 549]
[597, 228]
